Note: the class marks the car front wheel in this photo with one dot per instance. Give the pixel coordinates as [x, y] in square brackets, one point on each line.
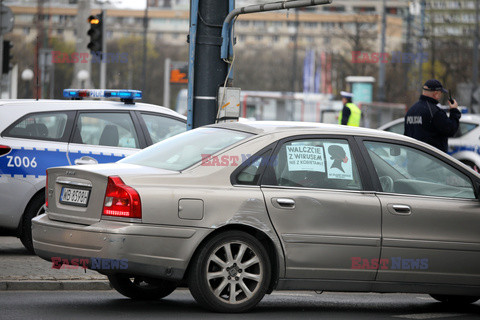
[230, 273]
[455, 300]
[141, 288]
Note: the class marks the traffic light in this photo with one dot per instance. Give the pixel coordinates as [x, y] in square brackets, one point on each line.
[7, 57]
[95, 33]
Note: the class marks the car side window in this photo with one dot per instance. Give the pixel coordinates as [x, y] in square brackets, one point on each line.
[160, 127]
[397, 128]
[406, 170]
[253, 169]
[45, 126]
[464, 128]
[316, 163]
[106, 129]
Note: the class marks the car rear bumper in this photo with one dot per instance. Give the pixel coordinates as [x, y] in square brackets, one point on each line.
[154, 251]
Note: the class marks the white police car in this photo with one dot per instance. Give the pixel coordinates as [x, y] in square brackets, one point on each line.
[36, 135]
[464, 146]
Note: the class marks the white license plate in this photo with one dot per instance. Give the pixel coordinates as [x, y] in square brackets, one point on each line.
[77, 197]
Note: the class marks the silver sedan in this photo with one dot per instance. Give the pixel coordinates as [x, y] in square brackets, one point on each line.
[235, 211]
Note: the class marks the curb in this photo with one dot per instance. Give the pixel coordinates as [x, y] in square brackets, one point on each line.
[52, 285]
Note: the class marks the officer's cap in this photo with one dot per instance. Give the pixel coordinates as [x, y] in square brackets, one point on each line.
[434, 85]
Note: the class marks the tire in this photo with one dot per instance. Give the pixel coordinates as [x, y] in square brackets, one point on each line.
[231, 261]
[141, 288]
[455, 300]
[35, 207]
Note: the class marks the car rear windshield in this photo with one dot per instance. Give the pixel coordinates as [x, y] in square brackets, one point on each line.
[184, 150]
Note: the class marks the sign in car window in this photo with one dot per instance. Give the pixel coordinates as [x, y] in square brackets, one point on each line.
[305, 158]
[339, 161]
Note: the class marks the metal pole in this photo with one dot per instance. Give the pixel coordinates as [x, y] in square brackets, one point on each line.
[381, 70]
[166, 83]
[210, 69]
[420, 44]
[295, 53]
[407, 49]
[145, 27]
[104, 60]
[475, 53]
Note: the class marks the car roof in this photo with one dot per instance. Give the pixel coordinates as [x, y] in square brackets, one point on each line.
[265, 127]
[29, 105]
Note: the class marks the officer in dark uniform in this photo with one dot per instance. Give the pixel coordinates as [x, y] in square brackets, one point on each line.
[426, 122]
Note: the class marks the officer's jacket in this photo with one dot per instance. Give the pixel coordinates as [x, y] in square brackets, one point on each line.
[426, 122]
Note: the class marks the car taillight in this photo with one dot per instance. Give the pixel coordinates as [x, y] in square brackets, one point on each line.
[121, 200]
[4, 150]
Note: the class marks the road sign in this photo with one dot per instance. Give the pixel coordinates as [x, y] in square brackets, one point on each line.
[6, 20]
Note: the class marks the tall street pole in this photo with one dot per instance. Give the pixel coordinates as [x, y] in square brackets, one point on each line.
[381, 70]
[420, 43]
[145, 27]
[295, 53]
[476, 43]
[210, 70]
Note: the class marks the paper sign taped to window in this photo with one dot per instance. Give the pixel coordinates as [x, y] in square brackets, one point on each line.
[339, 161]
[305, 158]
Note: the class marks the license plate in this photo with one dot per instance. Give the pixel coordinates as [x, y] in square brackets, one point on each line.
[76, 197]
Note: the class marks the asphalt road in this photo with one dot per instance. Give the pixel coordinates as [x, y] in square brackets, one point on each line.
[180, 305]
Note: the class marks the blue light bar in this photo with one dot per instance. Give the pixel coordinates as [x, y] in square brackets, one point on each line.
[98, 93]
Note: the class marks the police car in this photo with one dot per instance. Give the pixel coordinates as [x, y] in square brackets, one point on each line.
[36, 135]
[464, 146]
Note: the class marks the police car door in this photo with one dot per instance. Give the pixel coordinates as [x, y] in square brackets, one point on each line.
[102, 137]
[37, 141]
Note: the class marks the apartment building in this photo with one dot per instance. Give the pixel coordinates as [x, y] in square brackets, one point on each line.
[311, 28]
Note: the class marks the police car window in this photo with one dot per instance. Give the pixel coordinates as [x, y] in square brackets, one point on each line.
[464, 128]
[106, 129]
[397, 128]
[161, 128]
[49, 126]
[317, 163]
[406, 170]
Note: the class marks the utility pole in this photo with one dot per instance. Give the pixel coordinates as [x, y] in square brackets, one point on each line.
[82, 26]
[38, 44]
[476, 43]
[420, 43]
[381, 70]
[145, 28]
[408, 47]
[295, 53]
[210, 70]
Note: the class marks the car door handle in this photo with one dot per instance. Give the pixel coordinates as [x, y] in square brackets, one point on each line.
[85, 160]
[285, 202]
[400, 209]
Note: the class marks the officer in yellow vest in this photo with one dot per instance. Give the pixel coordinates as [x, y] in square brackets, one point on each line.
[350, 114]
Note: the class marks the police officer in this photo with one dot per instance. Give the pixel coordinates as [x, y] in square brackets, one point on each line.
[350, 114]
[426, 122]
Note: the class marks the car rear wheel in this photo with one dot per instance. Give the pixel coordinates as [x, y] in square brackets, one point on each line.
[141, 288]
[230, 273]
[35, 208]
[456, 300]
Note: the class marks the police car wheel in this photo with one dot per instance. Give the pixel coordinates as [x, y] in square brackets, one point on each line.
[35, 207]
[141, 288]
